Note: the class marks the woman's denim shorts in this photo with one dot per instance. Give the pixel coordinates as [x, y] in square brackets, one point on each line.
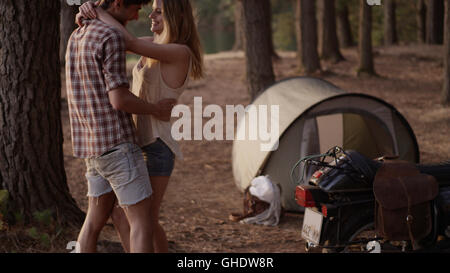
[160, 159]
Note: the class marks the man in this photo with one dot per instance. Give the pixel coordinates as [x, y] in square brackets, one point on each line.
[100, 107]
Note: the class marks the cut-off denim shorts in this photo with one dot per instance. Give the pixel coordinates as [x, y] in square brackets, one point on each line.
[160, 159]
[122, 169]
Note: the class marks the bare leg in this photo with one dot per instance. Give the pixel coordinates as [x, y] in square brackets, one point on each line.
[99, 209]
[140, 226]
[159, 186]
[122, 226]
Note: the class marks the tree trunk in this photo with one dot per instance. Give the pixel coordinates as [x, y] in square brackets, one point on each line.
[238, 33]
[446, 85]
[31, 154]
[268, 12]
[434, 24]
[66, 27]
[330, 45]
[390, 23]
[258, 51]
[421, 21]
[344, 30]
[306, 29]
[365, 39]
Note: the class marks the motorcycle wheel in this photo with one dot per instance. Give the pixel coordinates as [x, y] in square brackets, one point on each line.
[352, 229]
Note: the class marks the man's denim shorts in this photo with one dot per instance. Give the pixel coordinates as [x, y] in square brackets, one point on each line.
[122, 169]
[160, 159]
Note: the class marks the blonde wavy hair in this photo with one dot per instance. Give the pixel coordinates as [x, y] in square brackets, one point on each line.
[180, 28]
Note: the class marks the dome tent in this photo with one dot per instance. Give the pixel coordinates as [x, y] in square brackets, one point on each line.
[315, 115]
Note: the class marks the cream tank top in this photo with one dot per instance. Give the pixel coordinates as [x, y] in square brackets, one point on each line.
[148, 84]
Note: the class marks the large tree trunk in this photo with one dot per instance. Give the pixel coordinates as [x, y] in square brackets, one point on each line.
[268, 12]
[390, 23]
[67, 26]
[238, 33]
[421, 21]
[258, 51]
[330, 45]
[365, 39]
[434, 25]
[306, 29]
[344, 30]
[31, 154]
[446, 85]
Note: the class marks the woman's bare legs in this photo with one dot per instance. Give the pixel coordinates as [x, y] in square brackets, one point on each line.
[140, 226]
[122, 226]
[159, 186]
[159, 239]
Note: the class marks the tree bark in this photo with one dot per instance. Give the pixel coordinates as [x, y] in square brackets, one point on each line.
[31, 154]
[306, 29]
[238, 33]
[421, 21]
[446, 86]
[258, 52]
[344, 30]
[365, 39]
[434, 24]
[268, 12]
[330, 45]
[390, 23]
[67, 26]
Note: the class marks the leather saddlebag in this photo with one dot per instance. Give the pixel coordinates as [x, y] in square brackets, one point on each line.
[403, 201]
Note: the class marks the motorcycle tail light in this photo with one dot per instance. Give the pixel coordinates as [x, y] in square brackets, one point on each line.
[304, 197]
[324, 210]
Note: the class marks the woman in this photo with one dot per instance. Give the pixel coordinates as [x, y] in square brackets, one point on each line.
[168, 59]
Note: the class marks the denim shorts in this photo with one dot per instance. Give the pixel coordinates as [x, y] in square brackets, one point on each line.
[160, 159]
[122, 170]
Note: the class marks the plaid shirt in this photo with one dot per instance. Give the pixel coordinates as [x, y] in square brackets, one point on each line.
[95, 64]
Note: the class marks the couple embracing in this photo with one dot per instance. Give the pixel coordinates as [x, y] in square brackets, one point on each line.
[124, 136]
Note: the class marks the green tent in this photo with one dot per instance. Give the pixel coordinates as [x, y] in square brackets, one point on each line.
[314, 116]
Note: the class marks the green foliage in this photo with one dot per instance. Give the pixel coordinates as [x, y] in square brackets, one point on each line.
[215, 13]
[19, 217]
[353, 8]
[4, 195]
[215, 19]
[42, 237]
[406, 21]
[283, 25]
[33, 233]
[377, 25]
[284, 31]
[45, 228]
[44, 218]
[405, 17]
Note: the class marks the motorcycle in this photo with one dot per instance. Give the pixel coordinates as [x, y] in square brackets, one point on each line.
[339, 204]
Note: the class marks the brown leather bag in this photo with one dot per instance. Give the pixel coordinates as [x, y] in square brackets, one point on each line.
[403, 201]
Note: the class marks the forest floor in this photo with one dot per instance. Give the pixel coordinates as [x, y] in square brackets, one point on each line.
[202, 192]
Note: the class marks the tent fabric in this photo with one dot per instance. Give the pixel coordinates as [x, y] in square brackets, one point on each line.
[314, 116]
[308, 91]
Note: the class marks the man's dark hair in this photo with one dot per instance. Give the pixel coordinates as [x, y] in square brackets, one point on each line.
[105, 4]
